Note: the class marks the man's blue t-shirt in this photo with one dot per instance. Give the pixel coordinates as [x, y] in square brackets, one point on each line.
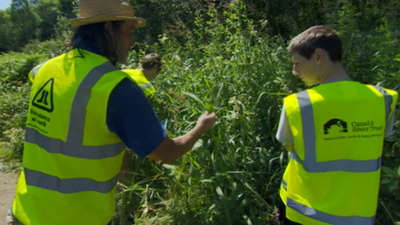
[129, 114]
[131, 117]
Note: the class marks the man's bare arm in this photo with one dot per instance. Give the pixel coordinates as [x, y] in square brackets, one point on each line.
[171, 149]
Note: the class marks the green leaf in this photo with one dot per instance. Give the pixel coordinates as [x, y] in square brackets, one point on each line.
[194, 111]
[385, 181]
[213, 206]
[220, 193]
[217, 96]
[209, 107]
[171, 169]
[198, 144]
[393, 186]
[278, 94]
[193, 96]
[206, 181]
[387, 170]
[261, 199]
[194, 172]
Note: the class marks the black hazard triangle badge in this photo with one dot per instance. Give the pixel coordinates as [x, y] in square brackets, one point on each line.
[44, 97]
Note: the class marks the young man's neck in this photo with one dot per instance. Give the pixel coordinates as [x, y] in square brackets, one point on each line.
[336, 73]
[145, 72]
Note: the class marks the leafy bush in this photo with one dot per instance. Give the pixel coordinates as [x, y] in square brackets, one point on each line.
[49, 49]
[15, 67]
[14, 92]
[13, 113]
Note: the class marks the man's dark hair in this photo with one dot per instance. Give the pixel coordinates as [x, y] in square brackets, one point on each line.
[96, 33]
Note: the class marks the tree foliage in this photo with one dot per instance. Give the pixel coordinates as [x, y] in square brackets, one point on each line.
[48, 11]
[24, 22]
[37, 19]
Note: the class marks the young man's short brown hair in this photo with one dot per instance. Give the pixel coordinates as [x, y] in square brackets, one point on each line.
[151, 61]
[323, 37]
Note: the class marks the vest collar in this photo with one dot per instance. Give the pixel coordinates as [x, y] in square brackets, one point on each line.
[87, 45]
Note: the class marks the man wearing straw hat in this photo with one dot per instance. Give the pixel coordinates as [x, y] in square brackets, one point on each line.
[82, 113]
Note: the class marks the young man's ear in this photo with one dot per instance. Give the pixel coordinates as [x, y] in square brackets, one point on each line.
[319, 55]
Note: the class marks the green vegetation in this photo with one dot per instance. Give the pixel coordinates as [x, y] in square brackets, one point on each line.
[229, 58]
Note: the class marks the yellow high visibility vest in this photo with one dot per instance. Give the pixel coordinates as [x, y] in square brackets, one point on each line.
[138, 76]
[71, 160]
[334, 170]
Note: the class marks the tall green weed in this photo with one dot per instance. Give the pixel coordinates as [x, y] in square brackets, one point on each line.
[233, 175]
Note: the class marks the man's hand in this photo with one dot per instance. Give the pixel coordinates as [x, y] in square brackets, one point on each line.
[171, 149]
[206, 121]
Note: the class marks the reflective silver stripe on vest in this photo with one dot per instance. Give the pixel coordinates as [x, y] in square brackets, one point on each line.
[67, 186]
[329, 218]
[388, 100]
[284, 184]
[71, 149]
[145, 86]
[81, 99]
[310, 162]
[36, 69]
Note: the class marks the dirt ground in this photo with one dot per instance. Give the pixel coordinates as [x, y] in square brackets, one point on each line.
[8, 183]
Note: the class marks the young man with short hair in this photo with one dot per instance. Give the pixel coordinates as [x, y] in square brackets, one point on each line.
[334, 133]
[150, 67]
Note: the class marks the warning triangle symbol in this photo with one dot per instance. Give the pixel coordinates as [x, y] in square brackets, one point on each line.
[44, 97]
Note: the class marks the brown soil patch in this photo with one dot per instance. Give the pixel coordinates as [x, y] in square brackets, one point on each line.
[8, 183]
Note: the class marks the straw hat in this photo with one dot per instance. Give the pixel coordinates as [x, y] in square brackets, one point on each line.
[96, 11]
